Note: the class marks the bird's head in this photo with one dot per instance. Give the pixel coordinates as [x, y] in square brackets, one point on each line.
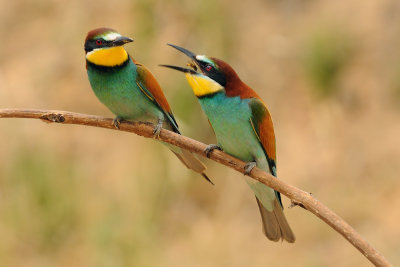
[103, 47]
[214, 75]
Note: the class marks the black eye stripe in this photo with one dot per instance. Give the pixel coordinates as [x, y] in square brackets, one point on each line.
[206, 66]
[101, 40]
[93, 44]
[213, 72]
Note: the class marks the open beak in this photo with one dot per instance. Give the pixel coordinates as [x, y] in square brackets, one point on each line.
[185, 70]
[201, 84]
[190, 54]
[185, 51]
[121, 40]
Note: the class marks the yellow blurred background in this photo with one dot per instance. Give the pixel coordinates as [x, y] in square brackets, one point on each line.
[79, 196]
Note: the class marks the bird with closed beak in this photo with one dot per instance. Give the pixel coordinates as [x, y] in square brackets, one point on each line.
[129, 89]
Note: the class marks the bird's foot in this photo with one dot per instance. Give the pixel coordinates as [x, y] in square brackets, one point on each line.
[157, 129]
[210, 148]
[248, 167]
[116, 122]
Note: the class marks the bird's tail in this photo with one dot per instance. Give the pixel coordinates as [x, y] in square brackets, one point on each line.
[191, 162]
[275, 225]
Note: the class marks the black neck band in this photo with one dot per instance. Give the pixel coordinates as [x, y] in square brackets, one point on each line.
[108, 68]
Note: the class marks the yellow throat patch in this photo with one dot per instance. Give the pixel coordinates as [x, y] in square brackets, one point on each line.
[108, 57]
[202, 85]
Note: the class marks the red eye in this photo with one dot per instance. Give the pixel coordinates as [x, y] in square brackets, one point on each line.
[208, 68]
[99, 42]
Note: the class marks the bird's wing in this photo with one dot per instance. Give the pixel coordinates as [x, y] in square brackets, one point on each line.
[260, 120]
[150, 88]
[262, 124]
[263, 128]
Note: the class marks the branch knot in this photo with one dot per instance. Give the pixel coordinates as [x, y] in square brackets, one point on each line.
[53, 117]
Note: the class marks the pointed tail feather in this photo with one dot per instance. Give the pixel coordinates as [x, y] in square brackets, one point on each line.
[191, 162]
[207, 178]
[275, 225]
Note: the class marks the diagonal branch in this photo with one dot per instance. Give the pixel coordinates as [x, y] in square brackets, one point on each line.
[297, 196]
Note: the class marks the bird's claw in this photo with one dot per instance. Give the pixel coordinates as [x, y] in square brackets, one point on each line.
[248, 167]
[116, 122]
[210, 148]
[157, 129]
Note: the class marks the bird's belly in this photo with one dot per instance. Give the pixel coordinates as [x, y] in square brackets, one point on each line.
[130, 104]
[237, 139]
[230, 120]
[120, 93]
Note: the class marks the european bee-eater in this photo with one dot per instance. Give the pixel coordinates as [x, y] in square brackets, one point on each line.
[243, 128]
[129, 89]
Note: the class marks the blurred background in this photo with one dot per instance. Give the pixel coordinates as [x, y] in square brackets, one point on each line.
[81, 196]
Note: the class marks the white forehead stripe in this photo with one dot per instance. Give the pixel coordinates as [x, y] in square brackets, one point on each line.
[205, 59]
[111, 36]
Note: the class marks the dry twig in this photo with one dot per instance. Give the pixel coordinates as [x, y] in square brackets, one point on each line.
[297, 196]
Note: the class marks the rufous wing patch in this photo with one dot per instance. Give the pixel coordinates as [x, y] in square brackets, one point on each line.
[152, 89]
[262, 124]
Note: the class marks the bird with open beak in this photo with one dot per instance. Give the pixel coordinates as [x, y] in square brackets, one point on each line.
[243, 128]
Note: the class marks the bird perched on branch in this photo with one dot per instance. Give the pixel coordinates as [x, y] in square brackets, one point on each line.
[243, 127]
[129, 89]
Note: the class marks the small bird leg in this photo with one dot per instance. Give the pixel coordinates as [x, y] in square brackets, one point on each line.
[210, 148]
[157, 129]
[248, 167]
[116, 122]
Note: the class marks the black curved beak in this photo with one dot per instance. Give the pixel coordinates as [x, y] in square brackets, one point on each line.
[184, 70]
[185, 51]
[122, 40]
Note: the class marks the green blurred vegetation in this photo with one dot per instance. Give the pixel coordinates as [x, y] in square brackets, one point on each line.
[39, 205]
[327, 54]
[79, 196]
